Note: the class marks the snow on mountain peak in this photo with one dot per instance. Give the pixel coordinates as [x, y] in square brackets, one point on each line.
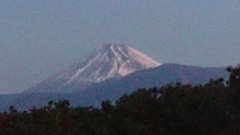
[105, 62]
[112, 60]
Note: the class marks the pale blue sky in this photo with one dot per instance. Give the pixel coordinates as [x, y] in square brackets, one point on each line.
[39, 38]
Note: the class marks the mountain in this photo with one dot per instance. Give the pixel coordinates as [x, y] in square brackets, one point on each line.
[106, 62]
[106, 74]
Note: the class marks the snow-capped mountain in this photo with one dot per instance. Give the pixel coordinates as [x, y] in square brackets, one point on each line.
[109, 61]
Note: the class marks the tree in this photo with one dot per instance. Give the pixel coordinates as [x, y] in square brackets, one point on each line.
[234, 79]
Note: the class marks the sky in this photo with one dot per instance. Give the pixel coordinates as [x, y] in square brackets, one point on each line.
[39, 38]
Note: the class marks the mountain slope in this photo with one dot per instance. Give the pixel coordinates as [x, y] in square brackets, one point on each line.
[109, 61]
[157, 77]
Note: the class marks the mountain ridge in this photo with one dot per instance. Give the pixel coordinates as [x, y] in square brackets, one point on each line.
[112, 89]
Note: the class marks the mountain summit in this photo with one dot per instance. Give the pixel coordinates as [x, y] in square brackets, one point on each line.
[108, 61]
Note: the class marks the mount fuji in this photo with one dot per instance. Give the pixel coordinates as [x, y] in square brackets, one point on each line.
[106, 62]
[107, 73]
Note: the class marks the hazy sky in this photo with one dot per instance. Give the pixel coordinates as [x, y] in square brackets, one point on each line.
[39, 38]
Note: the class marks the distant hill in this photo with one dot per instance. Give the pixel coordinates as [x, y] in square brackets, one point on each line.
[157, 77]
[112, 89]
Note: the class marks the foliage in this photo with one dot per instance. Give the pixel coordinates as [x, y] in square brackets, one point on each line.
[177, 109]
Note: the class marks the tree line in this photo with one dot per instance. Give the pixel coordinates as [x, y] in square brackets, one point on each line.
[210, 109]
